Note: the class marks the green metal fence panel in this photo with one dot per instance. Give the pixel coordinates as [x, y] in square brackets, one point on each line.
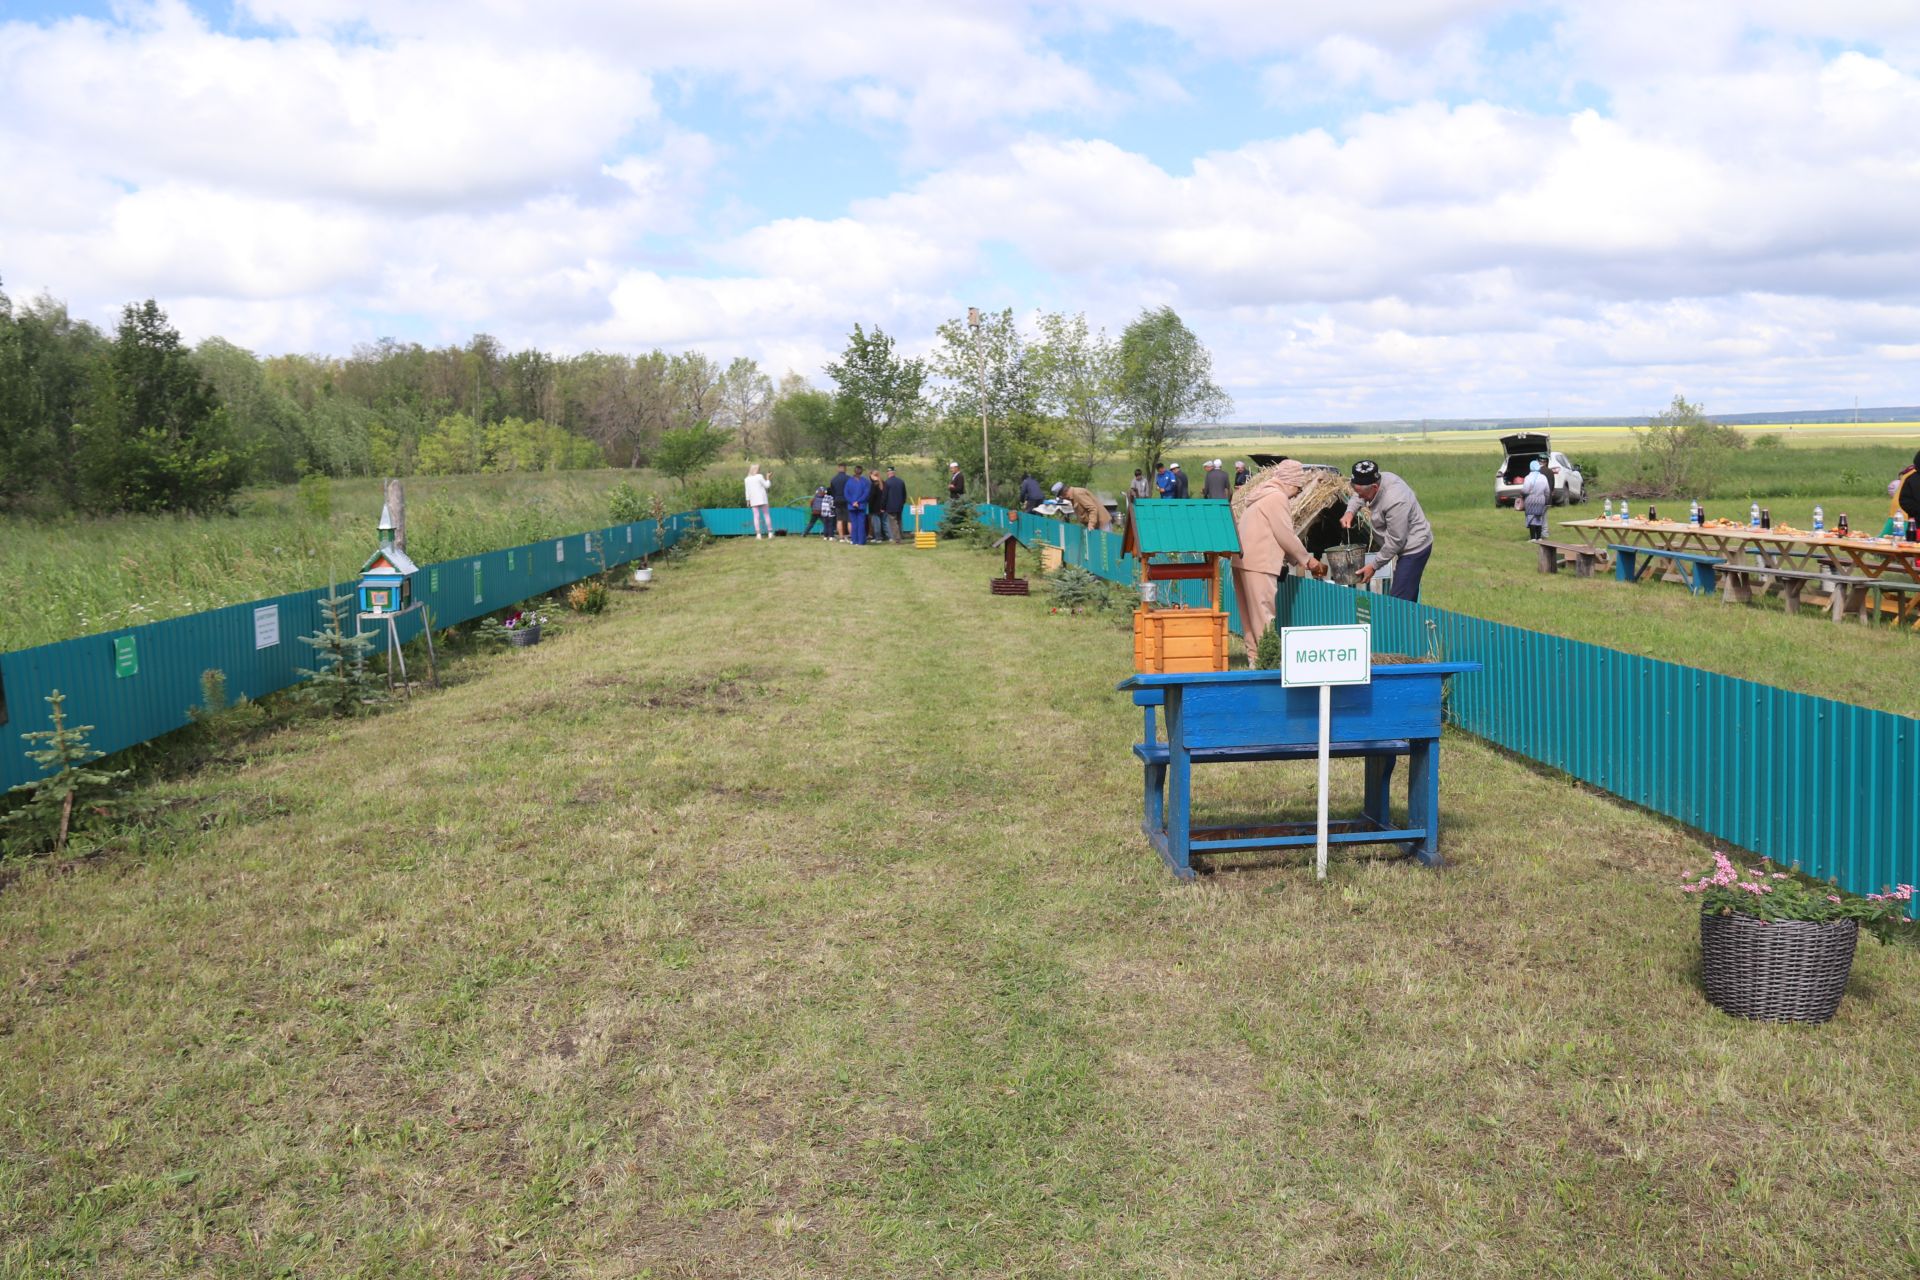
[1805, 781]
[257, 645]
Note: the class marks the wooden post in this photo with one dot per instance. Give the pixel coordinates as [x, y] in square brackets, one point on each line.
[396, 498]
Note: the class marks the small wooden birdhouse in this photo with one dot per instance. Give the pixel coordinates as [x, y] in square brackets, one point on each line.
[386, 581]
[1009, 585]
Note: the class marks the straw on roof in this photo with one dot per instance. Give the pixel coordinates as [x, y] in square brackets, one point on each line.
[1319, 491]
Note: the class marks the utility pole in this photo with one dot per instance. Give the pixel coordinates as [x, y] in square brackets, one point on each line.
[986, 452]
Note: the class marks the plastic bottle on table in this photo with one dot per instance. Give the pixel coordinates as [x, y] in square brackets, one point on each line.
[1819, 520]
[1693, 512]
[1606, 509]
[1753, 516]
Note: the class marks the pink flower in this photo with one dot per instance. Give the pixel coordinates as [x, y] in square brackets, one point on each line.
[1779, 875]
[1832, 898]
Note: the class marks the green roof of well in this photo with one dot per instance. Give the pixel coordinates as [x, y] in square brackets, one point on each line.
[1165, 525]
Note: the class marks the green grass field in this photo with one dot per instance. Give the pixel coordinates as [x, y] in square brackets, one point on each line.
[87, 576]
[793, 920]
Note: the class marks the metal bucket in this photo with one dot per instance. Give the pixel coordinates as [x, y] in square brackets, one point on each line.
[1343, 562]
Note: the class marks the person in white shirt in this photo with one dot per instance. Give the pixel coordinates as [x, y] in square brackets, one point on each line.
[757, 488]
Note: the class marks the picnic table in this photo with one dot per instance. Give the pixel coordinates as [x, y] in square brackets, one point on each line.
[1227, 717]
[1782, 559]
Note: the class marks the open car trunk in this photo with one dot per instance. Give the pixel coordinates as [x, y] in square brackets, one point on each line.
[1523, 448]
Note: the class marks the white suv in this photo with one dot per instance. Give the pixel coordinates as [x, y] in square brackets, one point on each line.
[1569, 486]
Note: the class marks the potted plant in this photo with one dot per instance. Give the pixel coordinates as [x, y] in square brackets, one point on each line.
[657, 512]
[523, 628]
[1778, 948]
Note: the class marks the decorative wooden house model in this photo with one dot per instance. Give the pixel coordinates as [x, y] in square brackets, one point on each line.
[386, 579]
[1180, 541]
[1008, 585]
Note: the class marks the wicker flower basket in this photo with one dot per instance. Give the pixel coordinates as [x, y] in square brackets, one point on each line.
[524, 636]
[1776, 971]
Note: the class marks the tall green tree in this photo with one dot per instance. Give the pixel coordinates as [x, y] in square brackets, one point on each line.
[686, 451]
[996, 365]
[878, 396]
[1680, 453]
[1077, 371]
[1166, 385]
[804, 421]
[46, 372]
[156, 438]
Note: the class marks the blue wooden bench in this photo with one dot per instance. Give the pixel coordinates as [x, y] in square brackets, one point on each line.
[1228, 717]
[1630, 563]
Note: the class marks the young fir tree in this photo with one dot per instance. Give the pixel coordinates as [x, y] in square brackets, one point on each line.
[65, 758]
[1267, 653]
[339, 681]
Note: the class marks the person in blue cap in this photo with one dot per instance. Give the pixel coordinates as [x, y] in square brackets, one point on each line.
[859, 490]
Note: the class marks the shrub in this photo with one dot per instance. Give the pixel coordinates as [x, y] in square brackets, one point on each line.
[219, 720]
[958, 518]
[1074, 588]
[1680, 453]
[1769, 441]
[1266, 654]
[627, 505]
[588, 597]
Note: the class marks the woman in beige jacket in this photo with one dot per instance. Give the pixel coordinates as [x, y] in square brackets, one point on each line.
[1268, 544]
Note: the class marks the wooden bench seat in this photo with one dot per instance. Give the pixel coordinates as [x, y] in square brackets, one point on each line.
[1695, 570]
[1849, 595]
[1582, 557]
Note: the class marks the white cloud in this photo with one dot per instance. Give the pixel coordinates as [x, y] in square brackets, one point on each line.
[1733, 211]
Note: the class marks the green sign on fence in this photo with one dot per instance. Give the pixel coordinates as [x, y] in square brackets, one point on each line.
[126, 657]
[477, 596]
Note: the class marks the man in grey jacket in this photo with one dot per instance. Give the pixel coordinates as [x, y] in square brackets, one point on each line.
[1405, 536]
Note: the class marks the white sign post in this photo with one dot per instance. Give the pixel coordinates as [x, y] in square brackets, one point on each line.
[1325, 656]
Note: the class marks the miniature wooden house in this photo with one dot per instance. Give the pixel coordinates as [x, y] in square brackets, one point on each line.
[1180, 541]
[386, 581]
[1009, 585]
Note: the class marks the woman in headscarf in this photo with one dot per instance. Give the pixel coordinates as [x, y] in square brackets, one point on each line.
[1264, 519]
[1536, 493]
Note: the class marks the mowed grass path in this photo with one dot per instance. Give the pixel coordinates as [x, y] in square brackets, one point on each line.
[792, 920]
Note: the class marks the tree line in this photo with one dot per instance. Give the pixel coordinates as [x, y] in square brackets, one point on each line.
[135, 420]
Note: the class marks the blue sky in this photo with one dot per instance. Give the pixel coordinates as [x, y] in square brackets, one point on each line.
[1397, 208]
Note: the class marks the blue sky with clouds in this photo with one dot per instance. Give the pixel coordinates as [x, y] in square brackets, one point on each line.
[1390, 208]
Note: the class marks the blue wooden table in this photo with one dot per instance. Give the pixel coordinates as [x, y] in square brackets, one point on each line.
[1219, 717]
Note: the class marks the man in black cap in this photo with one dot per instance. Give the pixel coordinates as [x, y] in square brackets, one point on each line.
[1405, 537]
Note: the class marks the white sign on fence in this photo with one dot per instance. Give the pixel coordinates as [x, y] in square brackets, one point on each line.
[266, 626]
[1326, 655]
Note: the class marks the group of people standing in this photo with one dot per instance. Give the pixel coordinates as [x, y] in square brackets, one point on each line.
[857, 507]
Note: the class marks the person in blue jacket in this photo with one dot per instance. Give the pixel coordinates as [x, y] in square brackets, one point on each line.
[859, 490]
[1031, 495]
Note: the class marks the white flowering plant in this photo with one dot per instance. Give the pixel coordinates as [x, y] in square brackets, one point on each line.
[1766, 893]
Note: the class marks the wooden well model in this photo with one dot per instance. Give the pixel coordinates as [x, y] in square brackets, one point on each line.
[1180, 540]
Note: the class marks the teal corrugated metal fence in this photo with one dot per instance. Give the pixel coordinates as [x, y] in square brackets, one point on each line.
[257, 644]
[1809, 781]
[1803, 780]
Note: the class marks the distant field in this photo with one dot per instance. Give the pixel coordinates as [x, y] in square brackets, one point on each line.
[1794, 435]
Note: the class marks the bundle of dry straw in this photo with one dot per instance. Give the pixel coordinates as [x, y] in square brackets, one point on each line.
[1319, 491]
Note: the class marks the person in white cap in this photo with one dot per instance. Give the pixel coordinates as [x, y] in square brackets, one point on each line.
[956, 483]
[1216, 485]
[1263, 517]
[1087, 509]
[1179, 481]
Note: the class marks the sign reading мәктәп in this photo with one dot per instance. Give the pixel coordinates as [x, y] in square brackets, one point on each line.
[1326, 655]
